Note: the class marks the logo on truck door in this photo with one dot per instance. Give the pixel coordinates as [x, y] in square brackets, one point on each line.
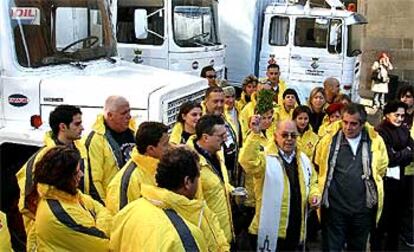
[18, 100]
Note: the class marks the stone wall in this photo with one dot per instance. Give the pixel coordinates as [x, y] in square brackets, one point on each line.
[390, 29]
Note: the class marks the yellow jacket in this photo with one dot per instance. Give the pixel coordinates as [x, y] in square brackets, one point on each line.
[126, 185]
[175, 136]
[216, 192]
[5, 242]
[379, 162]
[253, 160]
[325, 129]
[146, 217]
[241, 102]
[281, 114]
[25, 181]
[234, 125]
[66, 222]
[409, 170]
[103, 164]
[249, 181]
[307, 142]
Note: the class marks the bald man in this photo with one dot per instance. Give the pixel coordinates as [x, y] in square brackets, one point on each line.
[282, 177]
[331, 88]
[109, 144]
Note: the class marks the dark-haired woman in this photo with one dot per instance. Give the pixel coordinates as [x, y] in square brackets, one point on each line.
[400, 150]
[66, 219]
[190, 113]
[307, 139]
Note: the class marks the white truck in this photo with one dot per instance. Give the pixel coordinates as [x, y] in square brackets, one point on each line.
[308, 43]
[64, 52]
[179, 35]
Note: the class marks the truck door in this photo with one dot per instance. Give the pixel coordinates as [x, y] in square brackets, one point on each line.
[150, 46]
[316, 51]
[275, 44]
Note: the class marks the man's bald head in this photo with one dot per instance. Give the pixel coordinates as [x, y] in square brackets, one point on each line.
[331, 88]
[117, 113]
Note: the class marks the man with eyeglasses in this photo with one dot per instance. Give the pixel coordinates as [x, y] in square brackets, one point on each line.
[282, 176]
[209, 73]
[272, 79]
[215, 186]
[352, 159]
[214, 105]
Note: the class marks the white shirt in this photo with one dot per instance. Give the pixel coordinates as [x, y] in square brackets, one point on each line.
[288, 158]
[354, 142]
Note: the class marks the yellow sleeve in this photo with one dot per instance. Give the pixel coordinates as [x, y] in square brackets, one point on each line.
[314, 188]
[382, 162]
[5, 242]
[215, 237]
[100, 158]
[251, 156]
[103, 218]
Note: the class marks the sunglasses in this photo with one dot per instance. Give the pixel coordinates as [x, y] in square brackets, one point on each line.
[211, 76]
[286, 135]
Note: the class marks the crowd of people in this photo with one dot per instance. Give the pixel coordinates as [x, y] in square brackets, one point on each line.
[305, 168]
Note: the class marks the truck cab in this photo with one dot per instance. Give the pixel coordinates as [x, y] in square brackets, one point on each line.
[64, 52]
[310, 44]
[179, 35]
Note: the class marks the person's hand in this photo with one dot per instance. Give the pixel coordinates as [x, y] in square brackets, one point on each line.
[315, 202]
[254, 123]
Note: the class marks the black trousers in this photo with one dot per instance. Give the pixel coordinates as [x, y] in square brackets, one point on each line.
[390, 222]
[408, 208]
[282, 244]
[340, 228]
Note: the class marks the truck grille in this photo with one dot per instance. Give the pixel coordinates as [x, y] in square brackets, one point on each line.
[173, 107]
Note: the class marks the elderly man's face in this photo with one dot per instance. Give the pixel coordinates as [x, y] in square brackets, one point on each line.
[215, 103]
[285, 136]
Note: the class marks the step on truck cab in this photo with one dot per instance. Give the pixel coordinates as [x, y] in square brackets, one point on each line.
[179, 35]
[64, 52]
[309, 43]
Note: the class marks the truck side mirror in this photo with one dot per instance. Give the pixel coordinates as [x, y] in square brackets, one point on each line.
[141, 24]
[333, 36]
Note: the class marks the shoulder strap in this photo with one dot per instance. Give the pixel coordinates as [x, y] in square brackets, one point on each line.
[92, 189]
[116, 149]
[123, 190]
[29, 174]
[183, 231]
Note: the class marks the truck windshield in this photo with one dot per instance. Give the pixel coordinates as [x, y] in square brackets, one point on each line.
[60, 31]
[195, 23]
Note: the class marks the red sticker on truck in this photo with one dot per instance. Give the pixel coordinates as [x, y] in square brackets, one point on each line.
[18, 100]
[26, 15]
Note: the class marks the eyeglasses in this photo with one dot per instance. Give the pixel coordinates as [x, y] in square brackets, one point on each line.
[222, 136]
[211, 76]
[286, 135]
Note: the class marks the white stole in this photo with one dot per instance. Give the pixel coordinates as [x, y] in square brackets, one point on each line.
[272, 196]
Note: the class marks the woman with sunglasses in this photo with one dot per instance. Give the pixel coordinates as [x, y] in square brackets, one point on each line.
[187, 118]
[66, 219]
